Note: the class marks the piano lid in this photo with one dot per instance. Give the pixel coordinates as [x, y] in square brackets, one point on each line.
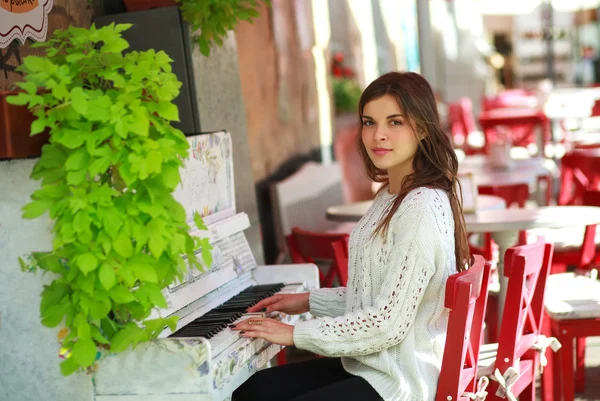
[207, 187]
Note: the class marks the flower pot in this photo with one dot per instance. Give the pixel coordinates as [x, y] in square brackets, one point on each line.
[15, 126]
[140, 5]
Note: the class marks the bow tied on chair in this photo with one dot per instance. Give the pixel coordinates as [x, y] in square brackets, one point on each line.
[481, 394]
[505, 382]
[542, 345]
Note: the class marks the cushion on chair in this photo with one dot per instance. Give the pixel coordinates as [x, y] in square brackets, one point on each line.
[571, 296]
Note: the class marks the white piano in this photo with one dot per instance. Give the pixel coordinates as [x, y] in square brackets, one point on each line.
[202, 359]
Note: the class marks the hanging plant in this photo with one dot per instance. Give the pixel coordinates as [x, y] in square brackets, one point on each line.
[107, 178]
[214, 18]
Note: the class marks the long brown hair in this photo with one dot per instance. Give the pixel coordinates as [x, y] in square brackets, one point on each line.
[435, 164]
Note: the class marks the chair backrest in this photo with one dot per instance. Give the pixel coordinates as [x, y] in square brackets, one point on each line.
[577, 174]
[527, 268]
[511, 193]
[310, 247]
[301, 199]
[587, 252]
[466, 297]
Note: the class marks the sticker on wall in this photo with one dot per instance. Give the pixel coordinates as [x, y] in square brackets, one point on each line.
[22, 19]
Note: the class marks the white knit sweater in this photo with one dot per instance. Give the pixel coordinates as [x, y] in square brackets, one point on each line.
[389, 325]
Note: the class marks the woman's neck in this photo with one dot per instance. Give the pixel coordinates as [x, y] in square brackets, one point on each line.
[396, 176]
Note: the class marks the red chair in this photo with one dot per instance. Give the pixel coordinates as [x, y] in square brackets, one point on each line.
[582, 318]
[466, 297]
[307, 246]
[527, 268]
[462, 125]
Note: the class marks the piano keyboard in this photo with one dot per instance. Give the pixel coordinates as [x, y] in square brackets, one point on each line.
[214, 325]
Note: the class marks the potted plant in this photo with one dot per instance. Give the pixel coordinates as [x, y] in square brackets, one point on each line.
[107, 175]
[211, 18]
[15, 124]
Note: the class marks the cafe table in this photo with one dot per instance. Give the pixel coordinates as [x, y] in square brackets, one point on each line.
[522, 171]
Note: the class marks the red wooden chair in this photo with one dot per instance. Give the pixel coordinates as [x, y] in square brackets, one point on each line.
[514, 364]
[462, 126]
[466, 297]
[306, 247]
[512, 194]
[573, 307]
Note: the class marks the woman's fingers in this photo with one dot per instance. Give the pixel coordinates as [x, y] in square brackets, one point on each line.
[264, 304]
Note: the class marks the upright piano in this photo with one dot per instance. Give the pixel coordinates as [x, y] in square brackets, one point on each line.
[203, 359]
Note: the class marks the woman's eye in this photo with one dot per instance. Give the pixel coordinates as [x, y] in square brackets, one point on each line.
[396, 122]
[368, 123]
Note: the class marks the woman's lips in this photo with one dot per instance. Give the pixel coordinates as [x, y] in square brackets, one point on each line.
[381, 151]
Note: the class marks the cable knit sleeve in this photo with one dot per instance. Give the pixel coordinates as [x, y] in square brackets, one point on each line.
[328, 301]
[407, 264]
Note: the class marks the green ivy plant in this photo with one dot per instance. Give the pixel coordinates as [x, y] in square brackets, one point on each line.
[346, 94]
[214, 18]
[107, 178]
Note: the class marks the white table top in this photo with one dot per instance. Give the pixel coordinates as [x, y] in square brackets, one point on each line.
[524, 219]
[523, 171]
[354, 211]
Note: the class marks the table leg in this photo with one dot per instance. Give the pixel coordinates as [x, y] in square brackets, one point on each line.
[504, 240]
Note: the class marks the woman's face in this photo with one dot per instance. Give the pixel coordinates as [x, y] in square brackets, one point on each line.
[388, 137]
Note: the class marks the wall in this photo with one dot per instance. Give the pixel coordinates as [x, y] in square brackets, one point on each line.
[29, 353]
[278, 85]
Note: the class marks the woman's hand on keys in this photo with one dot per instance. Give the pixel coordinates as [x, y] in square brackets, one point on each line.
[292, 304]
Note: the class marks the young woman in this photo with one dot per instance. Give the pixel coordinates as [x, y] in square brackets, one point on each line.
[384, 334]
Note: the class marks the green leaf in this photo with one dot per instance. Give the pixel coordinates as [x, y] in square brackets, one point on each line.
[78, 160]
[87, 262]
[68, 366]
[144, 272]
[99, 310]
[99, 166]
[20, 99]
[112, 222]
[199, 222]
[168, 111]
[106, 275]
[84, 352]
[170, 176]
[87, 282]
[79, 101]
[122, 245]
[54, 314]
[75, 178]
[121, 295]
[37, 126]
[129, 335]
[204, 47]
[155, 295]
[97, 335]
[157, 245]
[36, 208]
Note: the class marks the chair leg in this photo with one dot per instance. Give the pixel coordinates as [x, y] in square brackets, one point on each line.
[580, 365]
[566, 362]
[547, 382]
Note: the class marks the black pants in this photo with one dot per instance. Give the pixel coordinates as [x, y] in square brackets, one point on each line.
[322, 379]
